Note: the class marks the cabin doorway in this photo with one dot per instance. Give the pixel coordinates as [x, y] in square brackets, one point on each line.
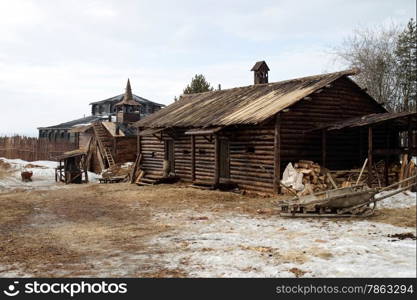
[169, 155]
[224, 161]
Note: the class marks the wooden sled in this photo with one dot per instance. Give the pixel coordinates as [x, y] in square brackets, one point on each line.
[354, 201]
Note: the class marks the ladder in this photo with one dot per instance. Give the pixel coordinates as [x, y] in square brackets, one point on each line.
[104, 142]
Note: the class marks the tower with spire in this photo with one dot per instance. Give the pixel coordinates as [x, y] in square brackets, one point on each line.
[127, 110]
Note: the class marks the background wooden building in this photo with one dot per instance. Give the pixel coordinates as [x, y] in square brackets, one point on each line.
[247, 135]
[110, 143]
[104, 110]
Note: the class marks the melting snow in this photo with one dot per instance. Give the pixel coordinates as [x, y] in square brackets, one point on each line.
[239, 246]
[401, 200]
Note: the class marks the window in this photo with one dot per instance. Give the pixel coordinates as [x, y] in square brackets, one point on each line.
[186, 152]
[201, 151]
[250, 149]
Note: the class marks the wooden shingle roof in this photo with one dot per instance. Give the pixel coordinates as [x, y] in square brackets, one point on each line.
[243, 105]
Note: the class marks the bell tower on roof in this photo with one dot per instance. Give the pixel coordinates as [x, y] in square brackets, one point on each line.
[260, 70]
[127, 110]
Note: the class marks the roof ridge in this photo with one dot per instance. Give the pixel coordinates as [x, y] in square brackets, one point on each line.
[353, 71]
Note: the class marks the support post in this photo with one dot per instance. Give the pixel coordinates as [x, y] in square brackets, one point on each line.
[410, 138]
[277, 155]
[370, 150]
[85, 169]
[216, 160]
[361, 156]
[323, 148]
[192, 158]
[386, 175]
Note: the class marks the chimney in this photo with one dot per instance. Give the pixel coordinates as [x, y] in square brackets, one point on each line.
[260, 70]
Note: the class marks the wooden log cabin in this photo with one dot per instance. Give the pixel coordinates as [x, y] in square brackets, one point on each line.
[245, 136]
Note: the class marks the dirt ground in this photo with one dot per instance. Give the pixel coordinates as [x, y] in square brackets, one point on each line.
[108, 230]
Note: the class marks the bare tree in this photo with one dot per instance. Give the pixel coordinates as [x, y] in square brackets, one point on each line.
[373, 52]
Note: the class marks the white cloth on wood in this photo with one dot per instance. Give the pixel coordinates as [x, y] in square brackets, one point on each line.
[292, 178]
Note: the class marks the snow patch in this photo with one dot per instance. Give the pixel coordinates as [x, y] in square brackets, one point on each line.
[42, 178]
[401, 200]
[239, 246]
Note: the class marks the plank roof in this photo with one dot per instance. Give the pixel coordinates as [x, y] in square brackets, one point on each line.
[400, 118]
[119, 98]
[243, 105]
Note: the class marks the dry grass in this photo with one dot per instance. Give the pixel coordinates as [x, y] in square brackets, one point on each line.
[63, 232]
[402, 217]
[57, 232]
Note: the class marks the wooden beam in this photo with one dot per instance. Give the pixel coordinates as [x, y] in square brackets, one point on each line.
[216, 160]
[277, 155]
[139, 142]
[192, 158]
[323, 148]
[370, 163]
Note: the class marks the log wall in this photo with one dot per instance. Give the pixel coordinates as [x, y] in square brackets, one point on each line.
[204, 160]
[125, 149]
[252, 157]
[152, 150]
[182, 150]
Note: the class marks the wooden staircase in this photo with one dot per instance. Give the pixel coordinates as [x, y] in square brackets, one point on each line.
[105, 142]
[149, 179]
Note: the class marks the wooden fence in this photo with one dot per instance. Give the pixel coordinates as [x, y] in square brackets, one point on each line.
[33, 149]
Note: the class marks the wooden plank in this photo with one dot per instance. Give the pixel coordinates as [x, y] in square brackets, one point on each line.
[277, 155]
[135, 167]
[360, 174]
[331, 180]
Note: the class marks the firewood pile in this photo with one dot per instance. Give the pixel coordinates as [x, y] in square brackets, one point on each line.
[306, 177]
[117, 170]
[396, 172]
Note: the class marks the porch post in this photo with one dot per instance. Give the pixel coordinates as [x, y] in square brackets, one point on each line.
[370, 150]
[277, 155]
[410, 138]
[323, 148]
[192, 158]
[387, 133]
[216, 160]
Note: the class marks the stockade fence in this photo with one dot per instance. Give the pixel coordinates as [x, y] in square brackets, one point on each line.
[33, 149]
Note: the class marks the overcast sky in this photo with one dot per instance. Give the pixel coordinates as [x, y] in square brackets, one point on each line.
[58, 56]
